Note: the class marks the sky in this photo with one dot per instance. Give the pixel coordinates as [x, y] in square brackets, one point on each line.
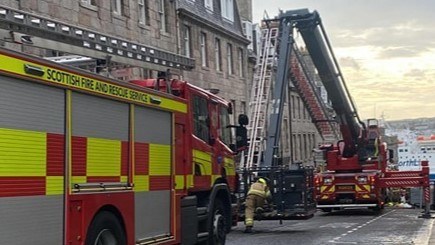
[385, 50]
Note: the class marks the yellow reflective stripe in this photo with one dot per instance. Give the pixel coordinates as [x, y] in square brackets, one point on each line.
[160, 159]
[54, 185]
[103, 157]
[78, 179]
[249, 221]
[124, 178]
[324, 187]
[141, 183]
[179, 182]
[22, 153]
[203, 159]
[364, 189]
[189, 181]
[69, 79]
[229, 166]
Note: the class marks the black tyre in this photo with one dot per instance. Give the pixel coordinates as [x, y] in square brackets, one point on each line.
[105, 229]
[218, 231]
[327, 210]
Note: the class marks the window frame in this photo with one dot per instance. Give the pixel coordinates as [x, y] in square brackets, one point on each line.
[217, 53]
[200, 114]
[203, 49]
[187, 41]
[143, 12]
[241, 63]
[208, 4]
[89, 2]
[230, 66]
[117, 7]
[227, 10]
[225, 135]
[162, 15]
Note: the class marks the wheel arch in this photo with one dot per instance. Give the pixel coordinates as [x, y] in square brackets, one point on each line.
[220, 191]
[113, 210]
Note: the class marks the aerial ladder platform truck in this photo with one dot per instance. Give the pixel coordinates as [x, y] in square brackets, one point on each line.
[357, 174]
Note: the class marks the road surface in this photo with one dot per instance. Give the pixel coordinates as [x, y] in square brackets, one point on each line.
[392, 226]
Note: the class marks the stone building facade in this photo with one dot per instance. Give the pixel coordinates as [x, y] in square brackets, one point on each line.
[209, 31]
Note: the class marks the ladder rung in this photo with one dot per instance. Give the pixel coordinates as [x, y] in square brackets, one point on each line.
[32, 24]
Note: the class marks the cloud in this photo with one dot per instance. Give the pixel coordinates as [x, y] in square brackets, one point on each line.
[385, 50]
[415, 73]
[397, 52]
[349, 62]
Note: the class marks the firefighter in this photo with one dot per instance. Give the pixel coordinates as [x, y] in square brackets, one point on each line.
[257, 195]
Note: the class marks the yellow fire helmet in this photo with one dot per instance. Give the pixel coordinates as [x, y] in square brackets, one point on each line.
[263, 181]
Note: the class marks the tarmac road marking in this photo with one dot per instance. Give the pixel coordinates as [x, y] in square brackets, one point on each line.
[424, 233]
[335, 239]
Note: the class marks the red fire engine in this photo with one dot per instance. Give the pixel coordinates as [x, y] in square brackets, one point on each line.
[88, 160]
[356, 167]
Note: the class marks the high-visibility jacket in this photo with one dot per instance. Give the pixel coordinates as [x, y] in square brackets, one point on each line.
[259, 189]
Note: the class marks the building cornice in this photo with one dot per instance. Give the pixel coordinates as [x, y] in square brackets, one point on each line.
[213, 26]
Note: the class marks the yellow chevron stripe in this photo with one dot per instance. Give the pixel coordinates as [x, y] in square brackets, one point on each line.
[324, 187]
[22, 153]
[103, 157]
[364, 188]
[160, 159]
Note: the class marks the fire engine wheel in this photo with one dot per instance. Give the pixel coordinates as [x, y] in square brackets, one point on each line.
[219, 227]
[105, 229]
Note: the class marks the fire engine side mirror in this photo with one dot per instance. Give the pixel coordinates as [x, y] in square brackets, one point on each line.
[243, 119]
[241, 137]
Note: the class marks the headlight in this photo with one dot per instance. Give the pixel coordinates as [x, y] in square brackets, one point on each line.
[362, 179]
[327, 181]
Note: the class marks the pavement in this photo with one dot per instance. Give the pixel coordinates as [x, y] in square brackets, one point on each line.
[431, 240]
[432, 233]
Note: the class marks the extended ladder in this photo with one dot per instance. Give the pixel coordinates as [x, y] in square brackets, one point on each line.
[258, 106]
[316, 107]
[88, 42]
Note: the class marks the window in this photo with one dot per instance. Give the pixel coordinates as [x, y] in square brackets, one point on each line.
[117, 7]
[217, 53]
[200, 118]
[144, 16]
[208, 4]
[224, 131]
[203, 48]
[240, 59]
[186, 37]
[227, 9]
[230, 58]
[90, 2]
[162, 15]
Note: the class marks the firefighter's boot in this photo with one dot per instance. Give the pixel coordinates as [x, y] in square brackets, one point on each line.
[248, 229]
